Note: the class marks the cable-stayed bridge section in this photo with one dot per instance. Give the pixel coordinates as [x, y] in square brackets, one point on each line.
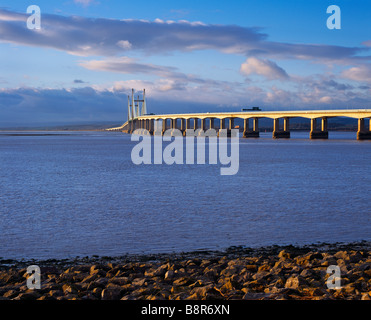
[138, 118]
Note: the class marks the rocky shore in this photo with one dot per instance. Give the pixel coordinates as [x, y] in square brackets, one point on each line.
[272, 273]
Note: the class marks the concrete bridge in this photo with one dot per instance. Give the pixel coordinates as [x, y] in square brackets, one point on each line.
[209, 120]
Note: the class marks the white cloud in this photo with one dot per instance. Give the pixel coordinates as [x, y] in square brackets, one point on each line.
[261, 67]
[362, 73]
[124, 44]
[85, 3]
[326, 99]
[109, 37]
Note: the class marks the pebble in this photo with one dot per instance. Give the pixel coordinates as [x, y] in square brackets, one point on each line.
[281, 275]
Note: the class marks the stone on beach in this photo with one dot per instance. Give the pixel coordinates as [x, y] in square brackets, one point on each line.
[288, 273]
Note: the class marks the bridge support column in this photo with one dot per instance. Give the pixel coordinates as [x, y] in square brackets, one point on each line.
[182, 126]
[187, 126]
[231, 123]
[203, 124]
[247, 133]
[164, 125]
[139, 126]
[144, 125]
[211, 123]
[318, 134]
[230, 126]
[222, 124]
[363, 133]
[277, 132]
[130, 126]
[151, 126]
[174, 125]
[202, 128]
[156, 128]
[195, 123]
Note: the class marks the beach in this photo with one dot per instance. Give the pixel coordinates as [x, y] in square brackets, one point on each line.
[269, 273]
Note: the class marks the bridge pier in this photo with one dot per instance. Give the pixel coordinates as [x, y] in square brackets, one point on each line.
[151, 126]
[247, 133]
[164, 125]
[130, 126]
[182, 126]
[318, 134]
[211, 123]
[277, 132]
[223, 126]
[173, 125]
[195, 124]
[145, 126]
[203, 127]
[363, 133]
[139, 126]
[187, 126]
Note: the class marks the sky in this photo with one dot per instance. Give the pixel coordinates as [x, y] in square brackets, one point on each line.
[190, 56]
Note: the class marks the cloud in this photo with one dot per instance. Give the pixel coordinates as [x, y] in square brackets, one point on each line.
[262, 67]
[78, 81]
[173, 78]
[124, 44]
[84, 3]
[127, 66]
[110, 37]
[28, 105]
[359, 73]
[34, 105]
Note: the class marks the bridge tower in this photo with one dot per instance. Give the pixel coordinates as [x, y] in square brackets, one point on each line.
[136, 108]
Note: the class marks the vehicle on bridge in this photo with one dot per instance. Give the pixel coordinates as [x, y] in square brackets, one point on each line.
[252, 109]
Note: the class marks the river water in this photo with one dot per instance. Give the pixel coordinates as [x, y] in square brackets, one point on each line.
[68, 194]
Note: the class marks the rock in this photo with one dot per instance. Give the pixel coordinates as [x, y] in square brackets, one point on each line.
[138, 282]
[307, 273]
[97, 292]
[295, 282]
[254, 295]
[227, 286]
[202, 291]
[366, 296]
[259, 276]
[169, 275]
[315, 255]
[251, 267]
[128, 297]
[95, 269]
[10, 294]
[182, 281]
[31, 295]
[264, 267]
[55, 293]
[160, 271]
[119, 280]
[90, 278]
[112, 293]
[283, 254]
[341, 255]
[68, 289]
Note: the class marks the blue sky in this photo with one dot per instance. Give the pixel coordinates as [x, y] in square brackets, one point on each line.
[189, 55]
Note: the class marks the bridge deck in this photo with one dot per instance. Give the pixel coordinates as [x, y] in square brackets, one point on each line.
[310, 114]
[147, 121]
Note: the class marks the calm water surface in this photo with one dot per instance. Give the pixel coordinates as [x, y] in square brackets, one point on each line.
[78, 194]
